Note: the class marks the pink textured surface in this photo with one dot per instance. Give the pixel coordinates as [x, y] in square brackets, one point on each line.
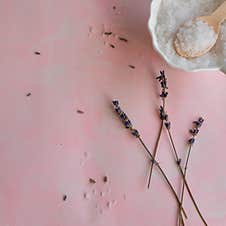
[48, 149]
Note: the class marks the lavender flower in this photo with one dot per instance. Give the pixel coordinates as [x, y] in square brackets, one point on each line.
[124, 118]
[194, 131]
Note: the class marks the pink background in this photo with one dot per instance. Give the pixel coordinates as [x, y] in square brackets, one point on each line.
[48, 149]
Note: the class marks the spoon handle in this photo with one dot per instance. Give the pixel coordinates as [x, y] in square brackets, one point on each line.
[220, 13]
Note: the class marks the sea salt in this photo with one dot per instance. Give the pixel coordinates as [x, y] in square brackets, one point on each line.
[172, 15]
[194, 37]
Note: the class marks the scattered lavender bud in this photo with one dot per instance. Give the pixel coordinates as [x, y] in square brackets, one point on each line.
[105, 179]
[86, 195]
[131, 66]
[123, 39]
[92, 181]
[109, 204]
[64, 197]
[108, 33]
[80, 111]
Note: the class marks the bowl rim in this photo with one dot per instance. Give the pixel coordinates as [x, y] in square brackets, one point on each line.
[152, 21]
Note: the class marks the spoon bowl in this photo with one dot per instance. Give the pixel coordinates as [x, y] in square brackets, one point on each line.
[214, 22]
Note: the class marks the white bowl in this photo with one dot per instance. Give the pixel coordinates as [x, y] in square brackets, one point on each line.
[155, 4]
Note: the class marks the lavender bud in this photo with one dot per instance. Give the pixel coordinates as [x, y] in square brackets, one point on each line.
[178, 162]
[128, 124]
[194, 131]
[166, 117]
[118, 110]
[197, 123]
[135, 133]
[191, 140]
[123, 115]
[167, 125]
[162, 73]
[201, 120]
[115, 103]
[164, 94]
[159, 78]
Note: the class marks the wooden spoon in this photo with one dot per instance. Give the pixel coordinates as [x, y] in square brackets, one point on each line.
[214, 21]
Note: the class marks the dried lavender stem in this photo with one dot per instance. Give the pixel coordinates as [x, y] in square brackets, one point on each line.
[156, 145]
[154, 153]
[185, 173]
[185, 170]
[173, 146]
[184, 179]
[128, 125]
[164, 175]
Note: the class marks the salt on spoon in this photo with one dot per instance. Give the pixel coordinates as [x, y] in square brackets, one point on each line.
[197, 37]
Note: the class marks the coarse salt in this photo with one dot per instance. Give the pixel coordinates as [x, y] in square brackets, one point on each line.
[194, 37]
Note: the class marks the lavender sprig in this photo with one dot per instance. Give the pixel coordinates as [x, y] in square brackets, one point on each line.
[178, 162]
[124, 118]
[163, 116]
[165, 119]
[128, 125]
[194, 132]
